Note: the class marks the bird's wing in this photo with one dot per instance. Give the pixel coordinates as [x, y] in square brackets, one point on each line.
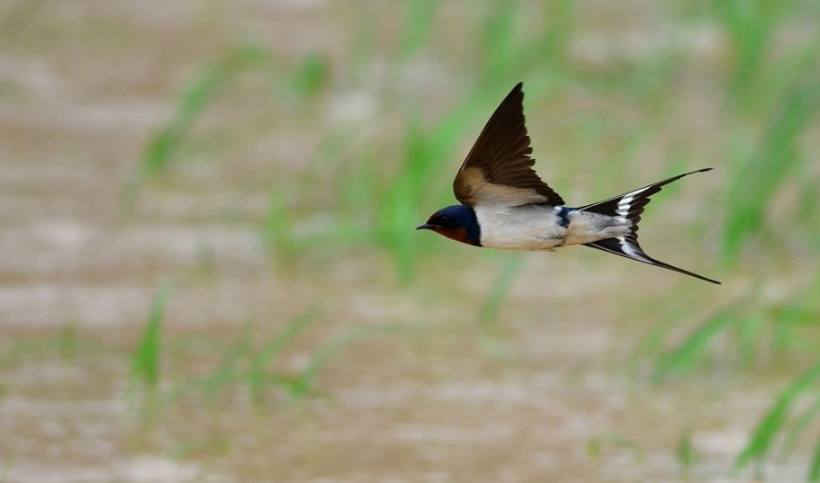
[498, 169]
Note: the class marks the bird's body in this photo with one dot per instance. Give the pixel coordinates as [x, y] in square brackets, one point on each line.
[528, 227]
[505, 205]
[544, 227]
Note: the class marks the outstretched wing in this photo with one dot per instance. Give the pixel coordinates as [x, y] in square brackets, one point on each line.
[498, 169]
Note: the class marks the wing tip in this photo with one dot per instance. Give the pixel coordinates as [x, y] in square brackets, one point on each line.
[517, 92]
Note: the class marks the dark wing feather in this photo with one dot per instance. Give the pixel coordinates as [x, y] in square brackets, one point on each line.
[498, 169]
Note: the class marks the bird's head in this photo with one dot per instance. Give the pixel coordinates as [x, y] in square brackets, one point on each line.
[457, 222]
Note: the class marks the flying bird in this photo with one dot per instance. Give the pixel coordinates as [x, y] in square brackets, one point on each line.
[504, 204]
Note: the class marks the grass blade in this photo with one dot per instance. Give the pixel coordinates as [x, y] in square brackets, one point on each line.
[683, 356]
[258, 374]
[228, 371]
[814, 469]
[762, 173]
[801, 424]
[195, 98]
[685, 452]
[324, 354]
[762, 439]
[145, 362]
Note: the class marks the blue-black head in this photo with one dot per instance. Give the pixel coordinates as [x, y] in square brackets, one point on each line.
[457, 222]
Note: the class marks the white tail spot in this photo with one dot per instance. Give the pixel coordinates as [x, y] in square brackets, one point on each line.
[632, 250]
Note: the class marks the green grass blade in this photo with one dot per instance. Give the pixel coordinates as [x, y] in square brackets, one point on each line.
[145, 361]
[684, 355]
[762, 438]
[814, 469]
[258, 375]
[291, 330]
[328, 351]
[228, 371]
[801, 424]
[685, 451]
[195, 98]
[399, 208]
[762, 174]
[277, 230]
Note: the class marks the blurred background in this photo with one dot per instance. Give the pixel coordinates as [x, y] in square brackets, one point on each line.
[208, 268]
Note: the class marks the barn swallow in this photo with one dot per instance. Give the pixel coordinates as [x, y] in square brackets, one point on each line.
[504, 204]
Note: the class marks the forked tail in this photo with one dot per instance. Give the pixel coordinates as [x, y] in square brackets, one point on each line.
[630, 206]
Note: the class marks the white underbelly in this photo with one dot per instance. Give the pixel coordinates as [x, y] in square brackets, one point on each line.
[521, 228]
[536, 227]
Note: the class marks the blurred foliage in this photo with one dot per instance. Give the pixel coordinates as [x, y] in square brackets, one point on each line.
[776, 419]
[66, 345]
[784, 95]
[685, 452]
[312, 76]
[194, 100]
[387, 177]
[761, 175]
[249, 363]
[146, 359]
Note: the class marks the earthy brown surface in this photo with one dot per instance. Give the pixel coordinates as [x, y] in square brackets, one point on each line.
[548, 396]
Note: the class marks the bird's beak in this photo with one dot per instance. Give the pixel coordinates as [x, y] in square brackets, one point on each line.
[426, 226]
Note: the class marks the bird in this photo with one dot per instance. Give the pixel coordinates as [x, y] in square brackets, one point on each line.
[505, 205]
